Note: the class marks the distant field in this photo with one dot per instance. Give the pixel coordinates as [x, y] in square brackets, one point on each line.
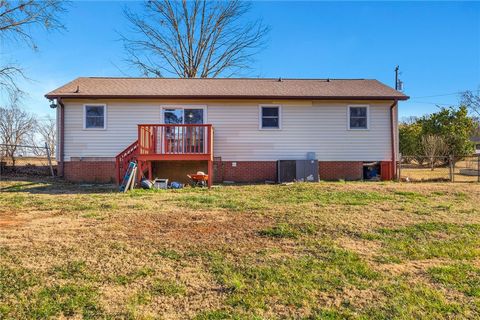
[302, 251]
[22, 161]
[424, 173]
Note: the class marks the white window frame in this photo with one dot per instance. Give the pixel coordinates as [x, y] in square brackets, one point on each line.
[368, 117]
[104, 115]
[260, 113]
[183, 106]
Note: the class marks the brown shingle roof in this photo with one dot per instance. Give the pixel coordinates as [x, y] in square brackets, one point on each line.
[226, 88]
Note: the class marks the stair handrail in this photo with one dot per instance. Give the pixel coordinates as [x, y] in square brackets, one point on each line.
[123, 159]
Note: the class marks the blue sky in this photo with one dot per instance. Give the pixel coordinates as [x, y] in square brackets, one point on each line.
[436, 44]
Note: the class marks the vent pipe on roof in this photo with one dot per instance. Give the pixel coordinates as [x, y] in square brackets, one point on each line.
[280, 79]
[78, 90]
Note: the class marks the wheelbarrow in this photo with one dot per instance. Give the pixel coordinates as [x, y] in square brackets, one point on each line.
[199, 179]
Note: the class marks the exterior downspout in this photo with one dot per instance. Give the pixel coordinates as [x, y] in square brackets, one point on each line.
[392, 136]
[61, 145]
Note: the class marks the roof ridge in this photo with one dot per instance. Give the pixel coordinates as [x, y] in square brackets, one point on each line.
[171, 78]
[267, 88]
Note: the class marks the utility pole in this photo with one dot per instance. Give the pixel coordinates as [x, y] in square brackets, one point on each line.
[396, 77]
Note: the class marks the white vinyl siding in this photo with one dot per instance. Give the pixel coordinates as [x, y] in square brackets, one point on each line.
[319, 127]
[122, 119]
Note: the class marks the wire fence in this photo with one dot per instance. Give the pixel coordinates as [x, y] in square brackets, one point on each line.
[26, 160]
[439, 169]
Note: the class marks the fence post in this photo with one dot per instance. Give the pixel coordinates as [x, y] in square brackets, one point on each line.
[451, 166]
[399, 170]
[49, 159]
[478, 167]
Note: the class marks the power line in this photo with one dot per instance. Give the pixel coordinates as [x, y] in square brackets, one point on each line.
[439, 95]
[446, 94]
[430, 102]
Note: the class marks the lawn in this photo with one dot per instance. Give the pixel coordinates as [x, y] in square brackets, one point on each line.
[302, 251]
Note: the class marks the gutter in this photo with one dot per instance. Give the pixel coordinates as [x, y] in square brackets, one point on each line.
[225, 97]
[392, 137]
[61, 145]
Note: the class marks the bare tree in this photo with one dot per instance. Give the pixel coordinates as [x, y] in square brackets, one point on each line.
[434, 147]
[16, 127]
[45, 135]
[472, 101]
[17, 18]
[191, 39]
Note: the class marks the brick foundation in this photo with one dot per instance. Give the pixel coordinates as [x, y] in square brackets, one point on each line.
[244, 171]
[336, 170]
[90, 171]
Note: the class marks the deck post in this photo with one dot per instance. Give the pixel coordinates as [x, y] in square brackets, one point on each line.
[210, 173]
[150, 174]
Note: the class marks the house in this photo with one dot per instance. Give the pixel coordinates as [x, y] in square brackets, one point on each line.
[234, 129]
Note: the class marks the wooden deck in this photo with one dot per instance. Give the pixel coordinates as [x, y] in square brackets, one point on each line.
[167, 142]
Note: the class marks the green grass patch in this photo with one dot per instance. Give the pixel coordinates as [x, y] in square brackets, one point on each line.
[72, 270]
[136, 300]
[432, 240]
[169, 254]
[220, 200]
[301, 193]
[462, 277]
[13, 281]
[279, 231]
[285, 230]
[225, 315]
[414, 301]
[410, 195]
[62, 300]
[291, 281]
[167, 287]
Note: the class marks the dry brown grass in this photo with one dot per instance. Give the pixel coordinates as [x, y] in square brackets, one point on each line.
[345, 250]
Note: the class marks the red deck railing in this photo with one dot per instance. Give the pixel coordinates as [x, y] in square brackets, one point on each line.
[182, 140]
[167, 142]
[123, 159]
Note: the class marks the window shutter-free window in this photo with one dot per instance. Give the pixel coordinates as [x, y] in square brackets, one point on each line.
[270, 117]
[183, 116]
[358, 117]
[94, 117]
[193, 116]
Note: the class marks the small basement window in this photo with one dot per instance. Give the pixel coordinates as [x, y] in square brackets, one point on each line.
[371, 171]
[358, 117]
[270, 117]
[95, 117]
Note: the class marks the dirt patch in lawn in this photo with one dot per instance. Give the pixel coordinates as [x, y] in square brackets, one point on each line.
[207, 230]
[10, 221]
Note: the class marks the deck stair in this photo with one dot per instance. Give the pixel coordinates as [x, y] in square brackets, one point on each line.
[167, 142]
[123, 159]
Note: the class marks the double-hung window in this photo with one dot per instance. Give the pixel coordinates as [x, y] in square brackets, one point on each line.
[270, 117]
[95, 116]
[358, 117]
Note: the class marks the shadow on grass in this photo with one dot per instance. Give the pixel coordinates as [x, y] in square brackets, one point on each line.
[51, 185]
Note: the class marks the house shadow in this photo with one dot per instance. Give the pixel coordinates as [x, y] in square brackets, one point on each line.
[51, 186]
